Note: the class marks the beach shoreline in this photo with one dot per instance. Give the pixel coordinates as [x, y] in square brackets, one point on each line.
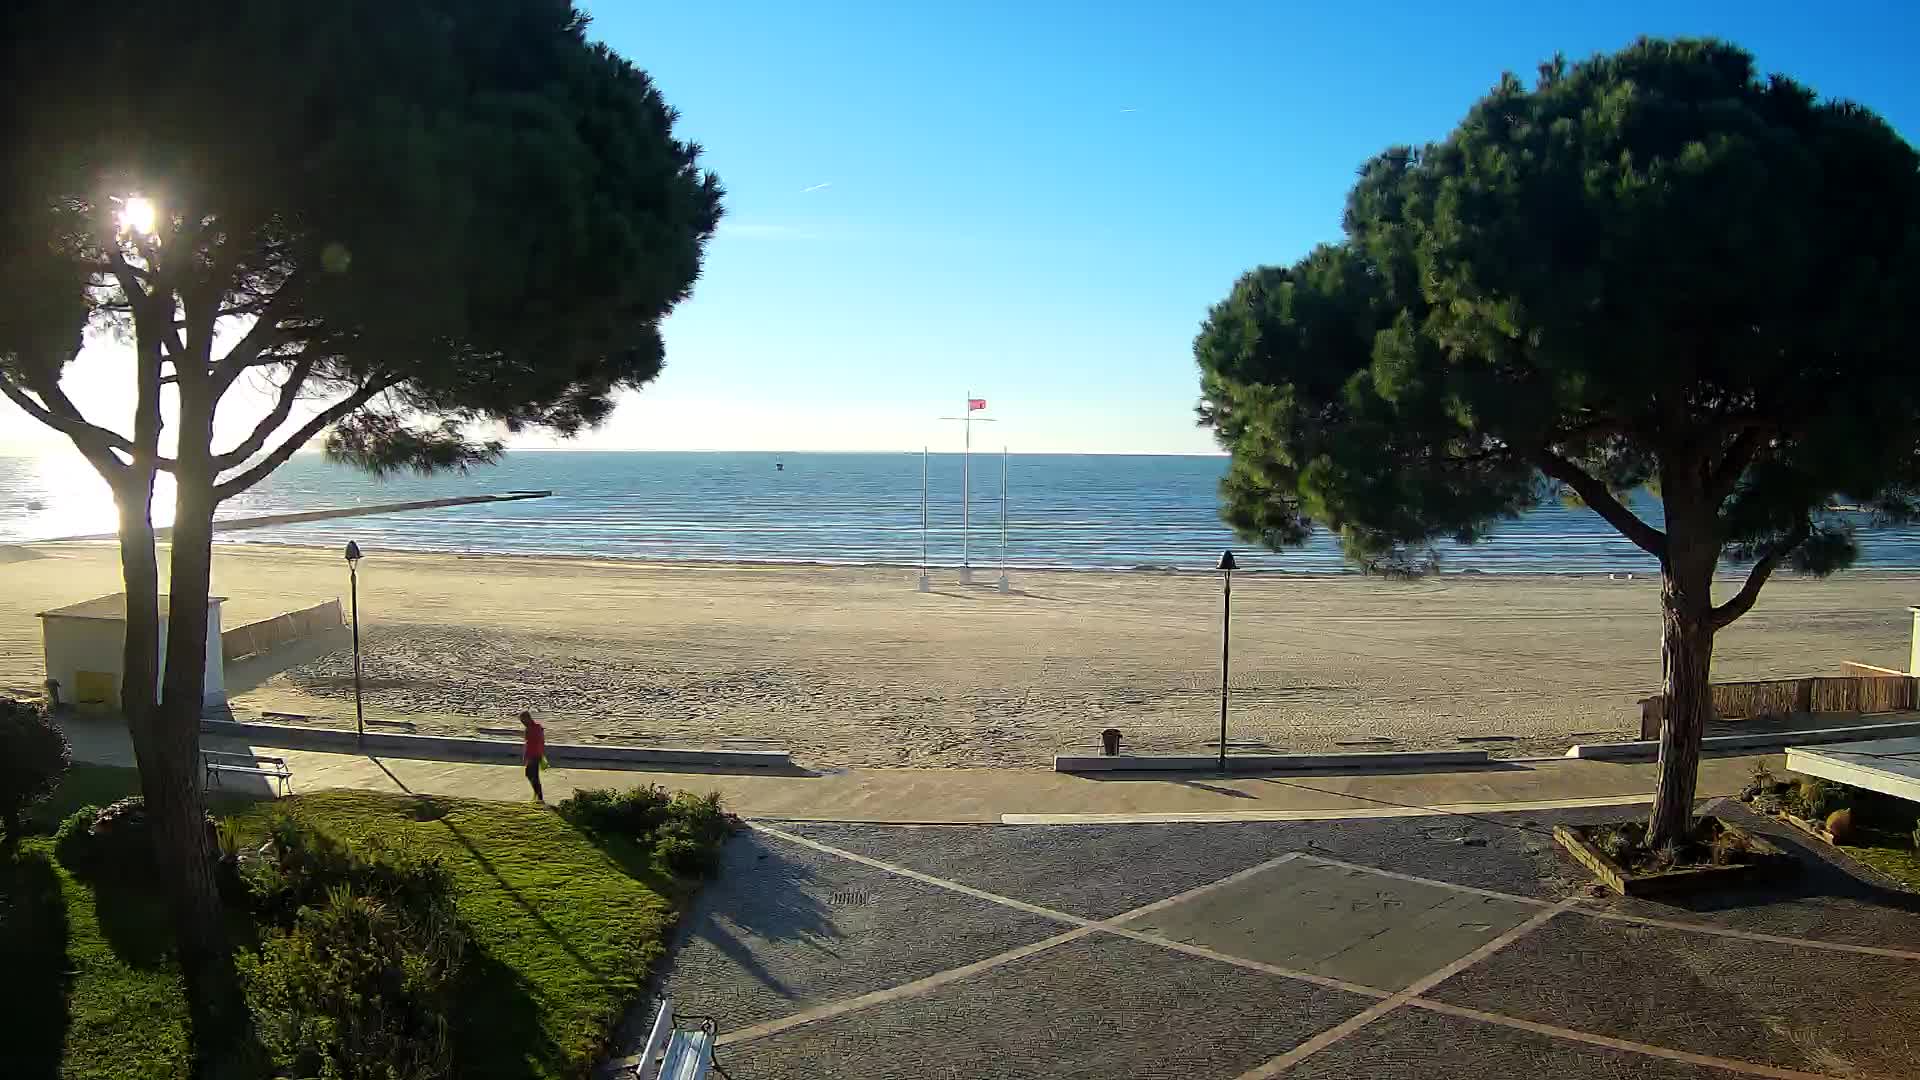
[1201, 568]
[851, 666]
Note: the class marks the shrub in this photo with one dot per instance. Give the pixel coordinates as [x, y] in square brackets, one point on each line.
[636, 814]
[1815, 799]
[358, 989]
[72, 834]
[300, 867]
[113, 840]
[1730, 846]
[1840, 826]
[33, 757]
[684, 830]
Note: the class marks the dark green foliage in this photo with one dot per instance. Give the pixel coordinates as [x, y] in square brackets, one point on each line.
[298, 866]
[468, 203]
[634, 813]
[358, 989]
[685, 831]
[33, 758]
[359, 985]
[1651, 266]
[113, 842]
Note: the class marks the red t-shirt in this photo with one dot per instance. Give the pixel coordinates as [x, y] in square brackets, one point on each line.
[535, 746]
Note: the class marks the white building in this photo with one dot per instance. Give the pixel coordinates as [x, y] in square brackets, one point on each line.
[86, 642]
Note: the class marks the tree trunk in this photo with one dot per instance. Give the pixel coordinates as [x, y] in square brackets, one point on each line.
[221, 1029]
[1686, 607]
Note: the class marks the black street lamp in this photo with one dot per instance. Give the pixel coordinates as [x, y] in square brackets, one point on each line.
[1226, 567]
[359, 711]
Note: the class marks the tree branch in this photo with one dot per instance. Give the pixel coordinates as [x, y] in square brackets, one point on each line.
[68, 424]
[1742, 601]
[261, 335]
[1601, 501]
[242, 481]
[283, 408]
[1733, 463]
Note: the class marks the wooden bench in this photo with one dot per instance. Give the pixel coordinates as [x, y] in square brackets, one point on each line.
[675, 1053]
[274, 769]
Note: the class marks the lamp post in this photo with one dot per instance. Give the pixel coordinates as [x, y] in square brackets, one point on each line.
[1226, 567]
[359, 711]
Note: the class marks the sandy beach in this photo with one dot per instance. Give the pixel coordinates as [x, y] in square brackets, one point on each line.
[853, 667]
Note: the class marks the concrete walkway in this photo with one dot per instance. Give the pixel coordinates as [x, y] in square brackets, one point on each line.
[1015, 796]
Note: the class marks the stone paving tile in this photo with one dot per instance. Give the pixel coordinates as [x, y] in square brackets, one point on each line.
[1094, 871]
[1101, 1007]
[783, 928]
[1510, 853]
[1346, 924]
[1413, 1044]
[1824, 1012]
[1828, 901]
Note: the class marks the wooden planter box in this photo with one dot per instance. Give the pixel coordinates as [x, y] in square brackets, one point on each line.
[1768, 863]
[1806, 826]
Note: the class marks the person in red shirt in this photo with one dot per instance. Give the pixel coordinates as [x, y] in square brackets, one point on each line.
[533, 750]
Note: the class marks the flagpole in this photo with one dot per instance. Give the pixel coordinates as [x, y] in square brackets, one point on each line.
[966, 492]
[1004, 586]
[925, 585]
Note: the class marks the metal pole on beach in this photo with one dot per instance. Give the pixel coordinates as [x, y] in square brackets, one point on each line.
[966, 491]
[925, 585]
[1004, 586]
[1226, 567]
[359, 711]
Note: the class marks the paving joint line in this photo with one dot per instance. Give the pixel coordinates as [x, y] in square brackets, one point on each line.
[1750, 1068]
[1644, 920]
[1082, 927]
[1385, 1002]
[1425, 983]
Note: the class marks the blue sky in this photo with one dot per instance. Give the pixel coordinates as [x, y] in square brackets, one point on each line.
[995, 220]
[1037, 202]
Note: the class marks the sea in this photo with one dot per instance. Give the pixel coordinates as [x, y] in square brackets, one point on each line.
[1090, 512]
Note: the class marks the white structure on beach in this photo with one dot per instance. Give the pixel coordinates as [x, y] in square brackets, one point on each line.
[85, 644]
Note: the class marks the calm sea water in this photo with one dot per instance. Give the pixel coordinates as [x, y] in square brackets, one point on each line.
[1062, 511]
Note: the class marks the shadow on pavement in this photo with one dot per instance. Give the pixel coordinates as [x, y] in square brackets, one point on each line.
[781, 906]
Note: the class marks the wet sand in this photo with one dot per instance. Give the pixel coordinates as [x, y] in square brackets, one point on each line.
[851, 666]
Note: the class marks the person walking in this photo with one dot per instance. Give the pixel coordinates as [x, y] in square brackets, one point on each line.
[533, 750]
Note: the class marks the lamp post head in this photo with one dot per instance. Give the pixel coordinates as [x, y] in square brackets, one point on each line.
[1226, 562]
[353, 553]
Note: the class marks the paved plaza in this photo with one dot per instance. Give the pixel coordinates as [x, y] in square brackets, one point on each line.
[1374, 949]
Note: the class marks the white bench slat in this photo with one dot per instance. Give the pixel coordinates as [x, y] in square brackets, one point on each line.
[687, 1056]
[656, 1042]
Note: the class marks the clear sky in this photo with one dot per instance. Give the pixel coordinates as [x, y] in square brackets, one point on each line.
[1036, 202]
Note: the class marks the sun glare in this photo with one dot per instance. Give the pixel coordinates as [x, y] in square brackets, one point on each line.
[138, 215]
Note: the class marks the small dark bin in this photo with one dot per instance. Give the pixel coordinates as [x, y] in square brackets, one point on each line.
[1110, 742]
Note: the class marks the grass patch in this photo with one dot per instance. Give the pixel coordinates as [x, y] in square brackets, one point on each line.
[563, 935]
[86, 1002]
[1891, 853]
[564, 931]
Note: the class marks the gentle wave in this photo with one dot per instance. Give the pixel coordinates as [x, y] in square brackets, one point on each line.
[1063, 511]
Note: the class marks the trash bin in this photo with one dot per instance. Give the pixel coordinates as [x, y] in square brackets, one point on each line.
[1110, 742]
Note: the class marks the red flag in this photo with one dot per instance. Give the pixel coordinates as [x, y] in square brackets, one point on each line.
[975, 404]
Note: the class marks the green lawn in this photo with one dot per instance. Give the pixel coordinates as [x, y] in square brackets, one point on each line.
[563, 934]
[1891, 853]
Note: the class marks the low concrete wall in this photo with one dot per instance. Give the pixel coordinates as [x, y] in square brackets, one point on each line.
[449, 746]
[1648, 749]
[282, 630]
[1358, 762]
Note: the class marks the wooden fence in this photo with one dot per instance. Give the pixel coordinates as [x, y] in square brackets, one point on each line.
[281, 630]
[1872, 690]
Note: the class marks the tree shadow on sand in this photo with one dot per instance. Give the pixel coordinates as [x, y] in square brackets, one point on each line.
[33, 956]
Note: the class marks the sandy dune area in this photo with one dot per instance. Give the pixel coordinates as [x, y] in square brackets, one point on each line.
[853, 667]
